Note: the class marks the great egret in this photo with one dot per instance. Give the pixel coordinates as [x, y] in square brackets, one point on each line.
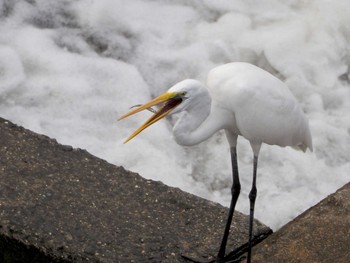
[241, 99]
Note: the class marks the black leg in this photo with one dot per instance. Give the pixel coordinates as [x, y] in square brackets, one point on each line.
[235, 190]
[252, 197]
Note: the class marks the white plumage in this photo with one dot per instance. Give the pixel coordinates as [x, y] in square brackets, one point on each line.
[243, 100]
[265, 110]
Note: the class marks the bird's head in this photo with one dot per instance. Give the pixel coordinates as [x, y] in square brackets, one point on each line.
[176, 99]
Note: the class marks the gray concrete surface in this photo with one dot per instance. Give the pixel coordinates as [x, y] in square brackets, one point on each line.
[319, 235]
[60, 204]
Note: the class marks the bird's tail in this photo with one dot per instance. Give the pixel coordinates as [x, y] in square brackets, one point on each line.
[300, 147]
[304, 145]
[307, 140]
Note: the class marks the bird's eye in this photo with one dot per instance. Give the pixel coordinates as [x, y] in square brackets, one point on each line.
[183, 95]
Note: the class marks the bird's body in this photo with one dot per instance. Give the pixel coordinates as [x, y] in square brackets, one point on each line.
[264, 109]
[241, 99]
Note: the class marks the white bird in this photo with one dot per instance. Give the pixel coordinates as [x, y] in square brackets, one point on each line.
[241, 99]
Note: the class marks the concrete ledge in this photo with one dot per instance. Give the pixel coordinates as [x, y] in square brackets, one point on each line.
[59, 204]
[320, 234]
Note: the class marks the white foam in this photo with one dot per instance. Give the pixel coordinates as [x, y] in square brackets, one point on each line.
[69, 70]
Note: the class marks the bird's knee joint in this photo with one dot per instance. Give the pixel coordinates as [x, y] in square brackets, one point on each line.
[236, 189]
[253, 194]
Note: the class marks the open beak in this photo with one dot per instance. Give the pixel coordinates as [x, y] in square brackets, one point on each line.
[169, 99]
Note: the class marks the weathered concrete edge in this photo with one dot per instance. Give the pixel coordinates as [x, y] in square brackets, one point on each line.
[15, 248]
[319, 234]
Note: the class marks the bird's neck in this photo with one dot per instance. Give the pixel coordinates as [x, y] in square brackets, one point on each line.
[197, 123]
[185, 128]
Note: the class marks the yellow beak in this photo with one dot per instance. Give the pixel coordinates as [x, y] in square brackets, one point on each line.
[170, 99]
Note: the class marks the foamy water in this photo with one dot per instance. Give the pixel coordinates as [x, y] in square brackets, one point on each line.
[68, 69]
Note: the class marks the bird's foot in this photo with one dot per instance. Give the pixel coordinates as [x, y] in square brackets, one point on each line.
[227, 259]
